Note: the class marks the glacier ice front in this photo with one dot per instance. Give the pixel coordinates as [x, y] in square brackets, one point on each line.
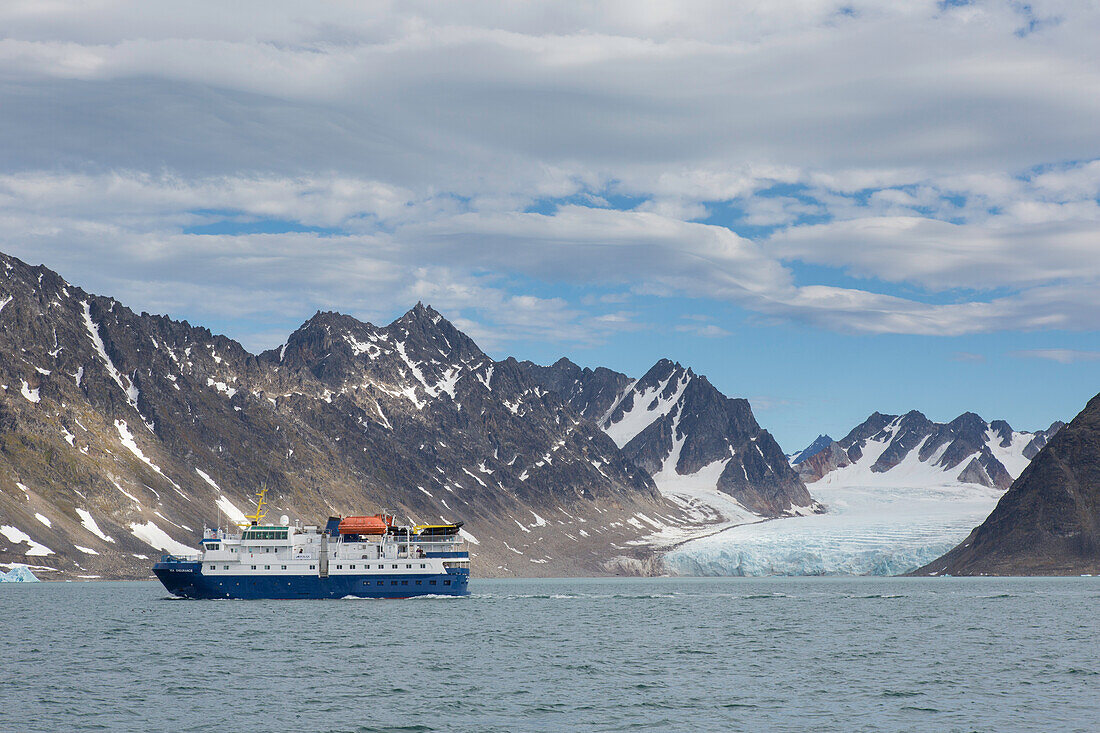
[868, 530]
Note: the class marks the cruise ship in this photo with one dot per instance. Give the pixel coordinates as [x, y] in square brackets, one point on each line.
[358, 557]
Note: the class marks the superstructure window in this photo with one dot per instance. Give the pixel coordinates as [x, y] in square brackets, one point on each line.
[283, 567]
[226, 567]
[253, 567]
[267, 567]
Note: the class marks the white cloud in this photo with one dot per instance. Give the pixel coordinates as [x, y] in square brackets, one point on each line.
[423, 133]
[941, 255]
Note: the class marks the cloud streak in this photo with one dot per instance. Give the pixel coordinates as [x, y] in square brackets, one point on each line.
[1062, 356]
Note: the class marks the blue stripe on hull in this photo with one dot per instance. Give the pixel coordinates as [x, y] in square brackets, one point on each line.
[185, 580]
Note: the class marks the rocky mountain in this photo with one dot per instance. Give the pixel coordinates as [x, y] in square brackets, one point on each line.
[122, 434]
[912, 449]
[699, 445]
[1048, 523]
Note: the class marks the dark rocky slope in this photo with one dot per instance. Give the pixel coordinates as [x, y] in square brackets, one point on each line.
[1048, 523]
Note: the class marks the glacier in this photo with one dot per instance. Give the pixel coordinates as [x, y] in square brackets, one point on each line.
[868, 529]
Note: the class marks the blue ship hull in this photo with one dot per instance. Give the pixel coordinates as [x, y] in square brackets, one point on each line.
[186, 580]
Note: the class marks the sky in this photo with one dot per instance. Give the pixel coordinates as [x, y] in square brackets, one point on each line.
[828, 208]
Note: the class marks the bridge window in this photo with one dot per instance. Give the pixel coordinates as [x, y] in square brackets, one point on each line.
[212, 547]
[266, 534]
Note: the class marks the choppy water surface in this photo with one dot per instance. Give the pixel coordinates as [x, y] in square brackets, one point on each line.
[861, 654]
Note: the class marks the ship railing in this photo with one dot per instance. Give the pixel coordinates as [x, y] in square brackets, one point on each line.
[427, 547]
[179, 558]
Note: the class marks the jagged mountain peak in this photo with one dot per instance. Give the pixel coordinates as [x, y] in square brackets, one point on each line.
[819, 444]
[969, 421]
[420, 311]
[663, 370]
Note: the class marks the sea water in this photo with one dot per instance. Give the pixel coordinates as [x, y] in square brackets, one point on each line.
[675, 654]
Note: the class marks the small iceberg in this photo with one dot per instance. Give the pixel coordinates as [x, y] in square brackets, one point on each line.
[18, 574]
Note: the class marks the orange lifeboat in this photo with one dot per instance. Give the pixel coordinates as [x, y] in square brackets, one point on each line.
[363, 525]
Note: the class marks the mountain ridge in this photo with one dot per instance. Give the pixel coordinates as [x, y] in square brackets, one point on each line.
[966, 449]
[121, 434]
[676, 425]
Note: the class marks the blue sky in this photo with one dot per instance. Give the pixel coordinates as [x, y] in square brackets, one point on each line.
[828, 208]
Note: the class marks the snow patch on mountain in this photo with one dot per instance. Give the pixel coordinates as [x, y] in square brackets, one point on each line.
[698, 492]
[18, 536]
[90, 524]
[647, 406]
[127, 440]
[154, 536]
[128, 388]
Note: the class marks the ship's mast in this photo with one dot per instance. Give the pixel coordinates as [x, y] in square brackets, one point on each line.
[259, 514]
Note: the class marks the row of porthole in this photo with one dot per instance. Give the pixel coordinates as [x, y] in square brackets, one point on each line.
[314, 567]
